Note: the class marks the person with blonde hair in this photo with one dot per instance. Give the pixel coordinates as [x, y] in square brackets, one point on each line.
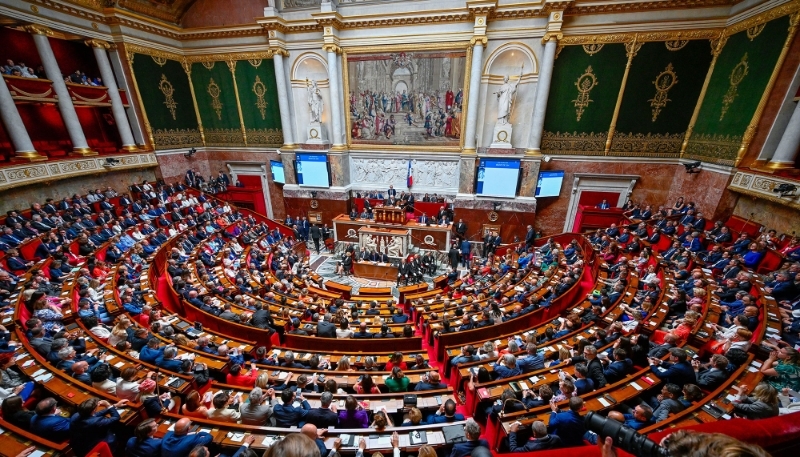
[761, 404]
[120, 331]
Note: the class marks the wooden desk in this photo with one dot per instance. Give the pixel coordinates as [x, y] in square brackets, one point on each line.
[433, 237]
[381, 271]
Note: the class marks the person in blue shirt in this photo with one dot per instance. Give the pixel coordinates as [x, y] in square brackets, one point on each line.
[151, 352]
[568, 425]
[179, 442]
[446, 413]
[89, 428]
[48, 422]
[506, 367]
[142, 444]
[467, 355]
[473, 433]
[583, 384]
[167, 360]
[677, 371]
[399, 317]
[640, 418]
[533, 361]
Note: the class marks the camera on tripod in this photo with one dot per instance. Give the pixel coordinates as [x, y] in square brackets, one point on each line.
[624, 437]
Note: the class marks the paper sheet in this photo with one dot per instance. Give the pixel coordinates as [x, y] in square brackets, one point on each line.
[604, 402]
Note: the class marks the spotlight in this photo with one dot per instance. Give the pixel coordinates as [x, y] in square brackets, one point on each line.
[111, 162]
[496, 206]
[693, 167]
[785, 189]
[191, 152]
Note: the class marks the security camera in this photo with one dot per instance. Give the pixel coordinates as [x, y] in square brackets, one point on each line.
[785, 189]
[692, 167]
[547, 158]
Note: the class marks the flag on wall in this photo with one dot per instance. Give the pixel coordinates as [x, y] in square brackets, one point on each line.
[410, 179]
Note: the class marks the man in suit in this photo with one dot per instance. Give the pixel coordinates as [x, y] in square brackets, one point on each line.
[661, 350]
[431, 381]
[461, 229]
[287, 415]
[391, 192]
[530, 236]
[473, 433]
[48, 423]
[316, 234]
[540, 440]
[677, 371]
[603, 204]
[712, 377]
[179, 442]
[167, 360]
[362, 332]
[593, 365]
[325, 416]
[325, 329]
[620, 367]
[424, 219]
[568, 425]
[403, 271]
[533, 361]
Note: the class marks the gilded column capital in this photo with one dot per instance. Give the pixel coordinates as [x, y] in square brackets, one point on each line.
[95, 43]
[281, 52]
[37, 29]
[482, 40]
[328, 48]
[557, 36]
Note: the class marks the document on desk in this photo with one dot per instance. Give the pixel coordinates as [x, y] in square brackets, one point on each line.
[603, 402]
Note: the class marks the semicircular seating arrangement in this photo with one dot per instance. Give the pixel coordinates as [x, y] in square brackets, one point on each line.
[192, 308]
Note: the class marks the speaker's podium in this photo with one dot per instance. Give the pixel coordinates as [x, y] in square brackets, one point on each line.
[389, 215]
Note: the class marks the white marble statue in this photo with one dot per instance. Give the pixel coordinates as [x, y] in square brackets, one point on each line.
[370, 243]
[314, 101]
[505, 98]
[395, 248]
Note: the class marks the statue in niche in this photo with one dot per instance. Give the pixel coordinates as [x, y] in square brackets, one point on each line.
[370, 243]
[505, 98]
[314, 101]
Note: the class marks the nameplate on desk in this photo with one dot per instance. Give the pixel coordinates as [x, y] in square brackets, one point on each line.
[604, 402]
[636, 386]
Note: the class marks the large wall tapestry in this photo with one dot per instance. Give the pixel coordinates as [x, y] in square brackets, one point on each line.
[164, 90]
[586, 82]
[741, 76]
[406, 98]
[659, 97]
[235, 100]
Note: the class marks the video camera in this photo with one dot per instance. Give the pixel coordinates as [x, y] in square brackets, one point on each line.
[625, 437]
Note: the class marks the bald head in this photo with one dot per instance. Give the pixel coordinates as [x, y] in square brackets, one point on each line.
[309, 430]
[182, 426]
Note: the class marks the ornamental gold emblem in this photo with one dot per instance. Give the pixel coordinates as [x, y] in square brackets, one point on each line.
[166, 88]
[736, 78]
[665, 81]
[585, 83]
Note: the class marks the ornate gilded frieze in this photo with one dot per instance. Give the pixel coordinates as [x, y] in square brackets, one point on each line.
[720, 149]
[574, 143]
[176, 138]
[265, 137]
[21, 175]
[223, 137]
[761, 186]
[736, 77]
[647, 145]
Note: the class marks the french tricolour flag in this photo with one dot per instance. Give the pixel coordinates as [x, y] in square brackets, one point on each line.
[410, 179]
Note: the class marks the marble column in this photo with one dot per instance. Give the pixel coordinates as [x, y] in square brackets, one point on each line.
[283, 98]
[785, 154]
[334, 89]
[69, 116]
[474, 91]
[542, 92]
[15, 128]
[342, 107]
[117, 110]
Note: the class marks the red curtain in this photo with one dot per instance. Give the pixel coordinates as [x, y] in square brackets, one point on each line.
[46, 128]
[592, 198]
[99, 128]
[6, 148]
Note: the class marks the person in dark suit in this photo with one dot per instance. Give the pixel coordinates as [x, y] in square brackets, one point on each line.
[712, 377]
[677, 371]
[362, 331]
[661, 350]
[461, 228]
[88, 428]
[424, 219]
[142, 444]
[473, 433]
[540, 440]
[620, 367]
[179, 442]
[453, 256]
[391, 192]
[593, 365]
[324, 416]
[530, 236]
[316, 234]
[287, 415]
[325, 329]
[568, 425]
[403, 271]
[47, 422]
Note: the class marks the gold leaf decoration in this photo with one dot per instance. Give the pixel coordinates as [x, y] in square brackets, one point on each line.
[592, 48]
[737, 75]
[161, 61]
[585, 83]
[214, 91]
[208, 65]
[255, 62]
[676, 45]
[260, 90]
[755, 31]
[665, 81]
[166, 88]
